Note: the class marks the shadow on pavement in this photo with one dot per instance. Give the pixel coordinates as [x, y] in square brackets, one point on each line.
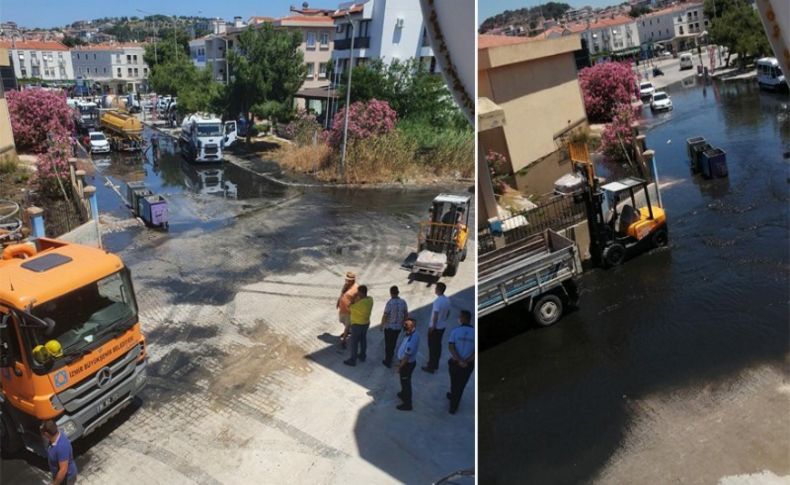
[423, 445]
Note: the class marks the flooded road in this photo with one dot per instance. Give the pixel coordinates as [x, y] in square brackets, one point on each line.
[622, 389]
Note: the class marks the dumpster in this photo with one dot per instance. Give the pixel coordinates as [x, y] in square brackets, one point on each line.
[153, 210]
[134, 192]
[714, 163]
[696, 155]
[690, 144]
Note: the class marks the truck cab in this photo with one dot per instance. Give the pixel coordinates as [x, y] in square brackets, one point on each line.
[71, 348]
[204, 137]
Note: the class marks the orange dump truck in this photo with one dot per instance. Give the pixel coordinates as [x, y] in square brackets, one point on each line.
[71, 349]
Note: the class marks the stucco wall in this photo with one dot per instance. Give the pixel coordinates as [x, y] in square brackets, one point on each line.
[540, 98]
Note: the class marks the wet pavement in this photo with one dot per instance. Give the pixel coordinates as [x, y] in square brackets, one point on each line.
[674, 366]
[237, 300]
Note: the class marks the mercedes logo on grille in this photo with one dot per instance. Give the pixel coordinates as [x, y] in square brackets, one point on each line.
[104, 376]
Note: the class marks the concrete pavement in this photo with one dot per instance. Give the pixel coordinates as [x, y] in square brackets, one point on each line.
[246, 381]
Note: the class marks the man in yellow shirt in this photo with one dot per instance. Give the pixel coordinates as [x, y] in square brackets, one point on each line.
[360, 322]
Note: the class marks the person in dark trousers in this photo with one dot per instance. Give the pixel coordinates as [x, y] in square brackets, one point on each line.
[360, 322]
[59, 454]
[395, 312]
[462, 360]
[407, 357]
[440, 314]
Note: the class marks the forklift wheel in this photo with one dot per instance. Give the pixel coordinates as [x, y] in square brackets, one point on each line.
[452, 268]
[614, 255]
[660, 238]
[547, 310]
[463, 254]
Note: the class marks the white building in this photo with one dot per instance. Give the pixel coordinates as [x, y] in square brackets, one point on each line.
[601, 35]
[45, 60]
[658, 26]
[118, 67]
[383, 29]
[688, 24]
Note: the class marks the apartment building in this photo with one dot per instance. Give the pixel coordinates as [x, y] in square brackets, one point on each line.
[689, 22]
[383, 29]
[118, 67]
[45, 60]
[658, 26]
[609, 35]
[317, 33]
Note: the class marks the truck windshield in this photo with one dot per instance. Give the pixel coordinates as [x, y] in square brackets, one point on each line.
[209, 130]
[82, 316]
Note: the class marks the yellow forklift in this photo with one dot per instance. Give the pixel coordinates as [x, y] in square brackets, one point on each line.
[621, 217]
[441, 242]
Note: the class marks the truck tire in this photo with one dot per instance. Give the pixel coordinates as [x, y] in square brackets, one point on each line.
[547, 310]
[10, 441]
[660, 238]
[463, 254]
[452, 267]
[614, 255]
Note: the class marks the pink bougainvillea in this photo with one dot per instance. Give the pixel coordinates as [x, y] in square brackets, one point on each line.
[52, 166]
[617, 139]
[497, 163]
[606, 86]
[36, 113]
[367, 119]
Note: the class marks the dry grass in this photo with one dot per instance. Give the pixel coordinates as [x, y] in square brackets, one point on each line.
[393, 157]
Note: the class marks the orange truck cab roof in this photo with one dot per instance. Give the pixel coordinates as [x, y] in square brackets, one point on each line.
[56, 268]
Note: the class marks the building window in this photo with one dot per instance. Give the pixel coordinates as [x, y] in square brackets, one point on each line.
[340, 28]
[128, 59]
[322, 70]
[145, 71]
[105, 70]
[310, 40]
[230, 44]
[129, 71]
[24, 72]
[119, 72]
[78, 56]
[363, 27]
[94, 56]
[135, 58]
[681, 30]
[117, 58]
[324, 39]
[310, 70]
[136, 72]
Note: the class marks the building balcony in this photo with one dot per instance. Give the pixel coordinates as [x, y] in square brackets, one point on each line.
[345, 44]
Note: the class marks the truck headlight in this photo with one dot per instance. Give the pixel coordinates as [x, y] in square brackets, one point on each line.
[55, 401]
[69, 427]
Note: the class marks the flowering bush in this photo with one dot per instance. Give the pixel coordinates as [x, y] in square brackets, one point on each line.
[303, 128]
[367, 119]
[36, 113]
[497, 163]
[53, 165]
[617, 139]
[604, 87]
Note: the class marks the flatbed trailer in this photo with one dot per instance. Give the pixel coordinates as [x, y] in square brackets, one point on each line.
[539, 272]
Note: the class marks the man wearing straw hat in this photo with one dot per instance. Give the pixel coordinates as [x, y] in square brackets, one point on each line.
[347, 296]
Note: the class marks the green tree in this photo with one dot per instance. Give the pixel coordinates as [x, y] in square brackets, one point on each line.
[165, 49]
[737, 26]
[195, 89]
[266, 70]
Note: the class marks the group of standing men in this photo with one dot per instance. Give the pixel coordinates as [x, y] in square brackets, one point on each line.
[354, 311]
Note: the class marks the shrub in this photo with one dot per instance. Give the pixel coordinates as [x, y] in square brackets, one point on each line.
[52, 167]
[606, 86]
[36, 113]
[497, 164]
[617, 139]
[367, 119]
[307, 158]
[304, 127]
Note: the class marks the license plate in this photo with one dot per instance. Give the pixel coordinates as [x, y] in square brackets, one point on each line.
[106, 402]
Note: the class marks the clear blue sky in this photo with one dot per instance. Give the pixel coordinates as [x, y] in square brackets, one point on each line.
[489, 8]
[52, 13]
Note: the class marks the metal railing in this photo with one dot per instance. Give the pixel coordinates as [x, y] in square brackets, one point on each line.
[558, 213]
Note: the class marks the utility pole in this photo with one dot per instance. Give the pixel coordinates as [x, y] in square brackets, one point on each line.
[175, 41]
[348, 101]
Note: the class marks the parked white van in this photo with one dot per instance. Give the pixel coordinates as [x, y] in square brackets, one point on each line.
[769, 74]
[686, 61]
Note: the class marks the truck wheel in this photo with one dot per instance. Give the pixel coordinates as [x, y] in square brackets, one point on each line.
[463, 254]
[547, 310]
[10, 442]
[660, 238]
[614, 255]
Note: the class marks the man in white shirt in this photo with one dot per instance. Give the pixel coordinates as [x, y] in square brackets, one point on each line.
[440, 315]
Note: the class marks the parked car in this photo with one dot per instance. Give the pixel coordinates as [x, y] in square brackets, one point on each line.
[646, 90]
[686, 61]
[661, 101]
[99, 142]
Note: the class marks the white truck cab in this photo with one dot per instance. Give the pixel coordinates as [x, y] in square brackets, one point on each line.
[205, 136]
